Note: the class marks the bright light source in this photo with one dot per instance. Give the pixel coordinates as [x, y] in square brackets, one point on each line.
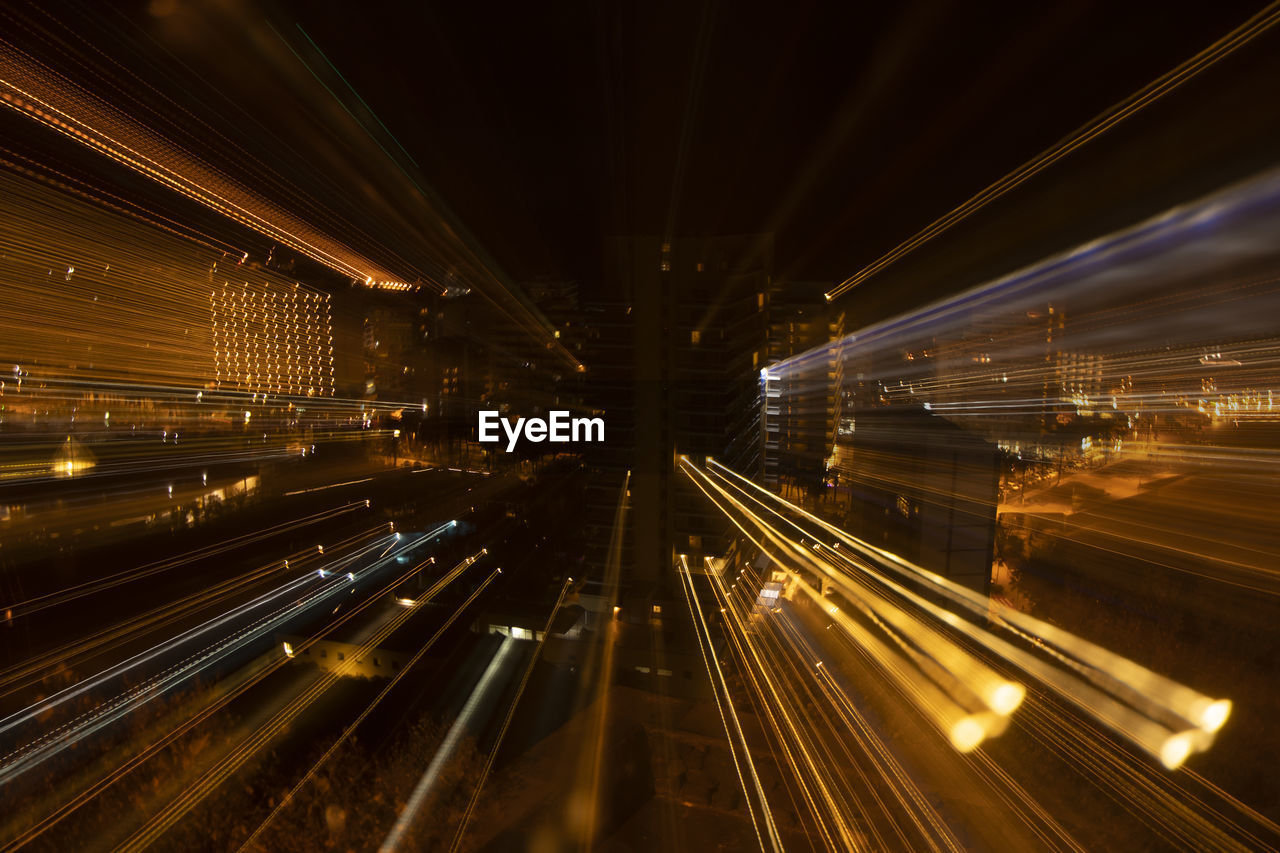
[1213, 717]
[967, 734]
[288, 650]
[1175, 750]
[407, 602]
[1007, 697]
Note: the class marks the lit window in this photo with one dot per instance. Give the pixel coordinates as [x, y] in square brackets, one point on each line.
[695, 337]
[701, 267]
[657, 610]
[759, 300]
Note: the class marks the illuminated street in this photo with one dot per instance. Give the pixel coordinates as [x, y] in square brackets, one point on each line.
[617, 426]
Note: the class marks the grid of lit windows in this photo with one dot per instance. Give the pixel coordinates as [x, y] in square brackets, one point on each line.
[272, 338]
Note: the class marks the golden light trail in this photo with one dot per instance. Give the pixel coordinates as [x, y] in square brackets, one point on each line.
[764, 640]
[215, 704]
[598, 668]
[30, 89]
[74, 653]
[93, 587]
[461, 832]
[1150, 94]
[922, 678]
[195, 793]
[753, 792]
[355, 724]
[247, 627]
[1099, 682]
[400, 241]
[482, 690]
[787, 720]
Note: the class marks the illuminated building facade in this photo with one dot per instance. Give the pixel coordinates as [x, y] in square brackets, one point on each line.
[801, 411]
[272, 338]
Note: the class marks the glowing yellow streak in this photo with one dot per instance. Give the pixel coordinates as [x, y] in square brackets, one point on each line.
[506, 722]
[1199, 710]
[1206, 58]
[739, 743]
[212, 778]
[354, 724]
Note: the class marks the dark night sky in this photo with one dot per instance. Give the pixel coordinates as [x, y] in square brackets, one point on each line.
[842, 127]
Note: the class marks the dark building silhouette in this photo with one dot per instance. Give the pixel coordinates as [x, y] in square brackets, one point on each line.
[924, 489]
[691, 319]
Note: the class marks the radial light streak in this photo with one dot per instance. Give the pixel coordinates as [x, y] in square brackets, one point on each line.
[483, 690]
[1153, 92]
[196, 792]
[1124, 696]
[923, 679]
[1134, 683]
[110, 711]
[351, 729]
[753, 793]
[598, 669]
[29, 88]
[506, 723]
[243, 684]
[787, 719]
[77, 591]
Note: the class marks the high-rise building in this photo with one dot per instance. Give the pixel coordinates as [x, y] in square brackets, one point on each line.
[925, 489]
[697, 309]
[801, 408]
[604, 338]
